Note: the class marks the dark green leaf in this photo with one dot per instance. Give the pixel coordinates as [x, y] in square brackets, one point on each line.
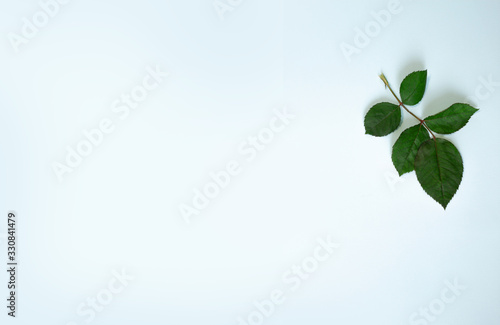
[439, 169]
[406, 147]
[413, 87]
[382, 119]
[451, 119]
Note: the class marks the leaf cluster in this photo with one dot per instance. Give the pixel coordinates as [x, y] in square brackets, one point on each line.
[436, 161]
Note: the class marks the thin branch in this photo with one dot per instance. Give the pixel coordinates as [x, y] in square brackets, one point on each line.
[402, 105]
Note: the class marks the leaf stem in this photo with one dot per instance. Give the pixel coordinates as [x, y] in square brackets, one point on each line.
[403, 105]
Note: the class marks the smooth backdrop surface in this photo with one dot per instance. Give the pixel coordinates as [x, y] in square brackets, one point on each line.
[232, 67]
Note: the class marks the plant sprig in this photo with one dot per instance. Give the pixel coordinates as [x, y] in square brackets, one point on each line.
[436, 161]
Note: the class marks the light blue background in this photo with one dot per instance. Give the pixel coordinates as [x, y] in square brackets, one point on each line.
[320, 176]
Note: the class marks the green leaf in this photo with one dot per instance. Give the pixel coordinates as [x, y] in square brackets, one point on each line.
[406, 147]
[413, 87]
[439, 169]
[382, 119]
[451, 119]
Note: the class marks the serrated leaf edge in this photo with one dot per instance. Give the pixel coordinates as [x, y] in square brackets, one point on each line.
[413, 89]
